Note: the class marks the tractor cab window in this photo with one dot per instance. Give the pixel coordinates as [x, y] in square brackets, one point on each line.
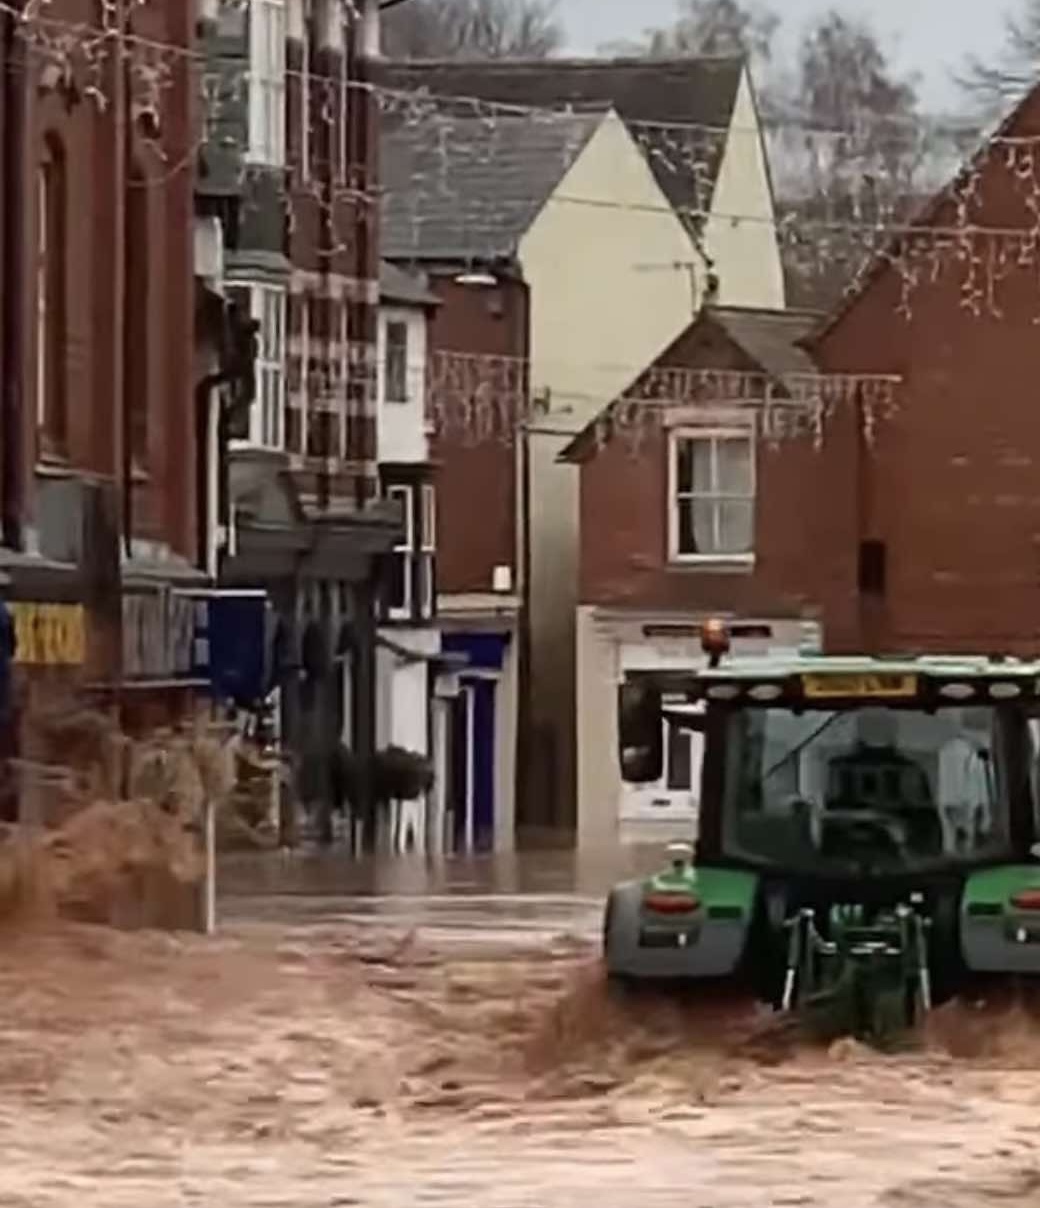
[873, 789]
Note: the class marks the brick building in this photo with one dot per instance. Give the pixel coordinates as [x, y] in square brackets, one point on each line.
[290, 168]
[98, 463]
[575, 172]
[907, 521]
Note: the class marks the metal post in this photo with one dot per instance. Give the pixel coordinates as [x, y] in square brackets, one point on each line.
[210, 883]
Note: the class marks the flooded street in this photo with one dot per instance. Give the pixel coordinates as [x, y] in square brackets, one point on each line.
[458, 1046]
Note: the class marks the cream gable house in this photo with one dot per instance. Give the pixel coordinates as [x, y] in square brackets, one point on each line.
[620, 227]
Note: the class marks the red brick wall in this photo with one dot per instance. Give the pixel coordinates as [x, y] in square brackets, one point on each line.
[806, 554]
[164, 498]
[476, 477]
[950, 484]
[953, 487]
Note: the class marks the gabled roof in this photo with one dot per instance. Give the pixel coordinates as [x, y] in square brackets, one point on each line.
[770, 339]
[469, 189]
[1023, 120]
[408, 289]
[692, 91]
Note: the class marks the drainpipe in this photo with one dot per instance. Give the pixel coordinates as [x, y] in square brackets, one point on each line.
[363, 150]
[122, 325]
[523, 812]
[14, 232]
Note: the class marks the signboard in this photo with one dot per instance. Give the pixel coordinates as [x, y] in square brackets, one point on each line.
[49, 635]
[872, 685]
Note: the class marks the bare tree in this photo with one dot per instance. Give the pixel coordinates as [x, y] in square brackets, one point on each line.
[472, 29]
[846, 79]
[994, 87]
[847, 147]
[712, 27]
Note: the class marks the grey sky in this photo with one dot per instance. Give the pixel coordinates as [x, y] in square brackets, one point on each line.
[929, 37]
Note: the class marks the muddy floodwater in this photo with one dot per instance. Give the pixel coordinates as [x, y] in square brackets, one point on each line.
[398, 1054]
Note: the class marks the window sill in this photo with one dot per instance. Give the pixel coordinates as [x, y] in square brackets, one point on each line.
[54, 465]
[711, 563]
[255, 159]
[237, 445]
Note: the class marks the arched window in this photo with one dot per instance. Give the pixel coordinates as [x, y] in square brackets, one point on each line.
[51, 300]
[138, 312]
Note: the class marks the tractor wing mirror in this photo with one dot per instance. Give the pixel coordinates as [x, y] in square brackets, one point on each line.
[640, 732]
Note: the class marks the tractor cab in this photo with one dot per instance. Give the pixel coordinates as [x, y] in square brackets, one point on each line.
[842, 798]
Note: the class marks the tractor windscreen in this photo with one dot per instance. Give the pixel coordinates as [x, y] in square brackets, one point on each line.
[871, 789]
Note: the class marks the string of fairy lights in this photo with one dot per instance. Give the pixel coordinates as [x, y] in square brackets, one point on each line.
[853, 209]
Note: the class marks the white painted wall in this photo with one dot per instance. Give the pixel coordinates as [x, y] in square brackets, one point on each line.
[600, 260]
[402, 690]
[610, 811]
[606, 262]
[506, 715]
[402, 426]
[740, 235]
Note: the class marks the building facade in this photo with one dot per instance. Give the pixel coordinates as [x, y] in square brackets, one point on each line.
[480, 476]
[690, 510]
[289, 168]
[632, 226]
[860, 482]
[410, 713]
[101, 554]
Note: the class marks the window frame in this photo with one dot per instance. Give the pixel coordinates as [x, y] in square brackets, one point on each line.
[305, 97]
[427, 551]
[267, 82]
[303, 391]
[258, 292]
[404, 550]
[403, 325]
[343, 107]
[51, 282]
[734, 429]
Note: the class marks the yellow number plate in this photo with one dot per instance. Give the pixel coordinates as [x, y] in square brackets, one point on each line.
[817, 687]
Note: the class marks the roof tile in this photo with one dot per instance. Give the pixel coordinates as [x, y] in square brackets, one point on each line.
[678, 110]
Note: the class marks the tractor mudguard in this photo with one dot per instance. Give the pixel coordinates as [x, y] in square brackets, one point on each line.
[708, 943]
[998, 936]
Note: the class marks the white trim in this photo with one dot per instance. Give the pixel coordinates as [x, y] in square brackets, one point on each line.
[300, 348]
[474, 603]
[341, 396]
[343, 107]
[305, 95]
[404, 550]
[428, 547]
[268, 27]
[267, 414]
[738, 431]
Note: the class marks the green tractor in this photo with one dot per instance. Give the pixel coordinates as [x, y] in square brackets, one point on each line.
[868, 833]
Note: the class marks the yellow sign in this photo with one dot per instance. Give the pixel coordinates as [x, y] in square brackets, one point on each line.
[883, 685]
[50, 634]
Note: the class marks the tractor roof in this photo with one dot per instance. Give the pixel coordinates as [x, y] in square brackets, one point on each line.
[946, 666]
[849, 682]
